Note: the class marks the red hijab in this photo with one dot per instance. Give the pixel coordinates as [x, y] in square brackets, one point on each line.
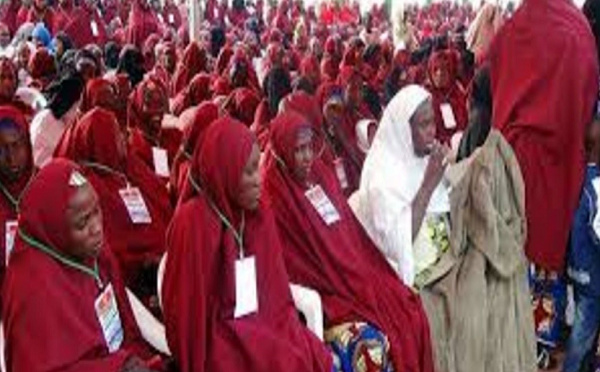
[93, 142]
[96, 95]
[42, 68]
[545, 84]
[196, 92]
[452, 94]
[242, 104]
[86, 27]
[142, 23]
[356, 283]
[193, 62]
[140, 143]
[55, 300]
[193, 134]
[199, 286]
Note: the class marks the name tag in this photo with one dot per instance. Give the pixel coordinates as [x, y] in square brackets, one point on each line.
[340, 171]
[171, 18]
[136, 206]
[94, 27]
[9, 238]
[160, 18]
[161, 161]
[322, 205]
[246, 291]
[448, 116]
[109, 318]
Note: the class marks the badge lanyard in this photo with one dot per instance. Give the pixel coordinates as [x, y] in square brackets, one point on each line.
[107, 170]
[237, 235]
[93, 272]
[15, 201]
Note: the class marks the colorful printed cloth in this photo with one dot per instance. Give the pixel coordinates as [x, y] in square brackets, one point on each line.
[549, 299]
[358, 347]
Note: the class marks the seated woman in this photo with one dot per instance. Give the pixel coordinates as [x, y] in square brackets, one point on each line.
[136, 207]
[193, 134]
[226, 296]
[65, 306]
[472, 279]
[373, 322]
[16, 172]
[155, 145]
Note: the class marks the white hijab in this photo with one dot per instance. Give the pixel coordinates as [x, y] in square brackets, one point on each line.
[391, 177]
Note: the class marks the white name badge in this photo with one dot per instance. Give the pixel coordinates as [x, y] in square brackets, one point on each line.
[323, 205]
[9, 238]
[161, 161]
[94, 27]
[171, 18]
[109, 318]
[448, 116]
[340, 171]
[136, 206]
[160, 18]
[246, 291]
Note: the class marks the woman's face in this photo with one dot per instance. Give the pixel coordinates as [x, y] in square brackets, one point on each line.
[353, 93]
[422, 125]
[304, 154]
[8, 81]
[85, 224]
[249, 188]
[441, 75]
[14, 153]
[154, 109]
[59, 48]
[24, 55]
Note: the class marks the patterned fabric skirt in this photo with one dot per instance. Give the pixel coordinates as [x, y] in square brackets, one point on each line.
[358, 347]
[549, 298]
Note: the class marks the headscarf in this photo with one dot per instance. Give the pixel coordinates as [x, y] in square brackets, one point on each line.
[242, 104]
[142, 23]
[42, 67]
[314, 260]
[544, 86]
[199, 277]
[196, 92]
[193, 62]
[483, 29]
[35, 280]
[94, 95]
[41, 34]
[385, 208]
[193, 135]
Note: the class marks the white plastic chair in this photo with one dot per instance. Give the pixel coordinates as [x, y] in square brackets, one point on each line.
[152, 330]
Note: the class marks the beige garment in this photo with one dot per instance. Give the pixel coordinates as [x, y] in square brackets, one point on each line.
[477, 297]
[484, 27]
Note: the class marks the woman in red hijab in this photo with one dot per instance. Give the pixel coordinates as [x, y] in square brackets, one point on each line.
[449, 99]
[65, 306]
[142, 23]
[87, 25]
[196, 92]
[9, 81]
[544, 83]
[16, 171]
[195, 126]
[155, 145]
[42, 68]
[194, 61]
[98, 92]
[122, 86]
[63, 15]
[372, 321]
[242, 104]
[136, 207]
[41, 12]
[226, 296]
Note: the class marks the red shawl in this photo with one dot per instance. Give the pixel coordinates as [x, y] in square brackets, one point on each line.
[262, 121]
[137, 246]
[81, 31]
[12, 190]
[196, 92]
[171, 15]
[49, 318]
[142, 23]
[242, 104]
[193, 62]
[63, 15]
[193, 134]
[339, 261]
[46, 17]
[140, 143]
[453, 94]
[199, 284]
[544, 76]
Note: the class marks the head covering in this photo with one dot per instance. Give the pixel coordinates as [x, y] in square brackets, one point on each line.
[135, 113]
[42, 67]
[41, 34]
[196, 92]
[384, 208]
[201, 259]
[98, 92]
[242, 104]
[192, 63]
[314, 260]
[36, 280]
[483, 29]
[545, 85]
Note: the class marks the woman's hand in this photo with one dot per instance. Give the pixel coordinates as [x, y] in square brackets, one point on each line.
[436, 166]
